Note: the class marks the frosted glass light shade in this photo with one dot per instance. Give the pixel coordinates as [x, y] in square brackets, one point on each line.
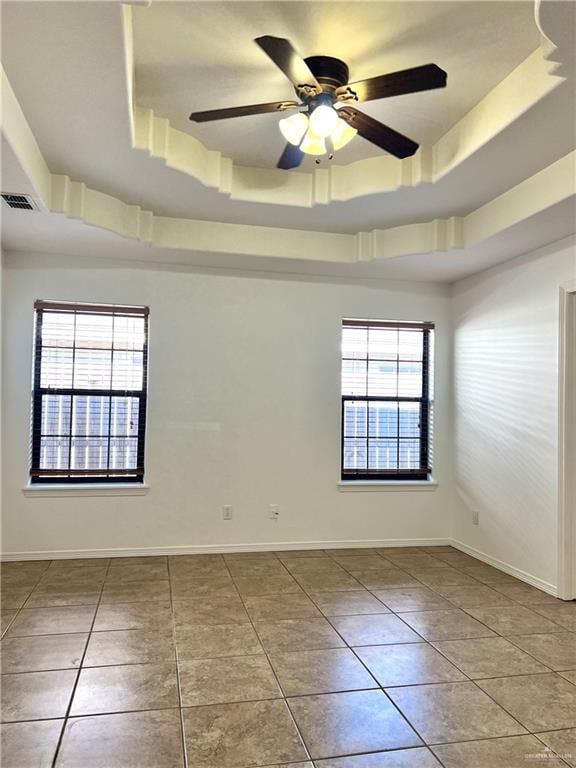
[342, 134]
[312, 144]
[294, 127]
[323, 120]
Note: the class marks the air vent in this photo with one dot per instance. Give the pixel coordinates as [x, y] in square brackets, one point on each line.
[23, 202]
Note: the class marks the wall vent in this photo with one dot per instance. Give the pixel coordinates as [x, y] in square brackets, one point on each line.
[23, 202]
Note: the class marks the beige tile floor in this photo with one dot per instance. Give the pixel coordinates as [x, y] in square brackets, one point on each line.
[385, 658]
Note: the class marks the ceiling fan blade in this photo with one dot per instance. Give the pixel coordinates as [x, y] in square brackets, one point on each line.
[378, 133]
[288, 60]
[423, 78]
[290, 158]
[251, 109]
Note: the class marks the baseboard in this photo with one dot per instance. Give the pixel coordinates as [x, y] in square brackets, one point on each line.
[534, 581]
[276, 546]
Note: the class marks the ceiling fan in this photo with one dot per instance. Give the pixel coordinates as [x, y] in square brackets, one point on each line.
[326, 118]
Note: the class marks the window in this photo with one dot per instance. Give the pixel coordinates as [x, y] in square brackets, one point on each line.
[386, 400]
[89, 393]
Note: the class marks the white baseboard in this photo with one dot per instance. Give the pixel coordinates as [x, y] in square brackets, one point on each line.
[276, 546]
[534, 581]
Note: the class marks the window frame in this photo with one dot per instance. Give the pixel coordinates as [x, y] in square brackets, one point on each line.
[424, 472]
[77, 477]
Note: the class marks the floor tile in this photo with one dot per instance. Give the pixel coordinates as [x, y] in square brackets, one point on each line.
[52, 621]
[183, 566]
[351, 552]
[47, 597]
[563, 743]
[569, 675]
[290, 606]
[242, 734]
[459, 560]
[361, 562]
[416, 757]
[324, 671]
[80, 562]
[266, 585]
[29, 745]
[406, 561]
[511, 752]
[125, 574]
[539, 702]
[128, 740]
[411, 599]
[408, 664]
[337, 724]
[445, 625]
[514, 620]
[36, 695]
[290, 554]
[212, 641]
[125, 688]
[257, 568]
[219, 681]
[42, 652]
[489, 657]
[525, 594]
[347, 603]
[150, 560]
[327, 582]
[232, 557]
[562, 614]
[488, 575]
[392, 579]
[135, 592]
[476, 596]
[303, 565]
[298, 635]
[156, 614]
[14, 597]
[556, 650]
[221, 609]
[90, 578]
[445, 577]
[453, 712]
[375, 629]
[6, 618]
[130, 646]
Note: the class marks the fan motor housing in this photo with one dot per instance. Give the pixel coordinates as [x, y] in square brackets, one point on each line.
[329, 72]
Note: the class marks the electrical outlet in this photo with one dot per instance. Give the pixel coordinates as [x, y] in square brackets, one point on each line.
[227, 512]
[475, 517]
[273, 511]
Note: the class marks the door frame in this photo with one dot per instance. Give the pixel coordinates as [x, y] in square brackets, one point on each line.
[567, 443]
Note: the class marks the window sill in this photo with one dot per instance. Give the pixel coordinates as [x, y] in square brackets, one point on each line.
[89, 489]
[387, 485]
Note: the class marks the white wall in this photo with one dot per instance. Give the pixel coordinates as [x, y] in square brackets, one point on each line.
[506, 326]
[244, 409]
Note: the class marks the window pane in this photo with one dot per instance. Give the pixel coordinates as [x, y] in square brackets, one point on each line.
[58, 329]
[90, 416]
[382, 378]
[409, 457]
[94, 331]
[56, 368]
[55, 418]
[123, 453]
[410, 345]
[382, 455]
[410, 420]
[127, 370]
[410, 379]
[383, 419]
[355, 419]
[124, 422]
[89, 453]
[54, 453]
[354, 454]
[129, 332]
[353, 377]
[92, 369]
[355, 342]
[383, 343]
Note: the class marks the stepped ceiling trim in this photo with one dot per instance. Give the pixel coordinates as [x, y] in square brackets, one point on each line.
[524, 87]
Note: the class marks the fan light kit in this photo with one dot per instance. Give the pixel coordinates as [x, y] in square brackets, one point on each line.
[325, 121]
